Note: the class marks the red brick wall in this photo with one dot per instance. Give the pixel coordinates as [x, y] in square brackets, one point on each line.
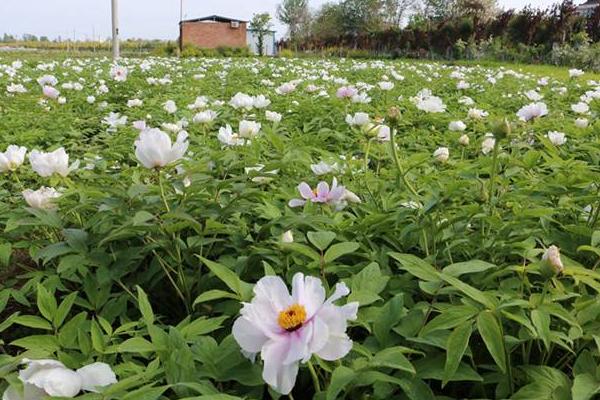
[214, 34]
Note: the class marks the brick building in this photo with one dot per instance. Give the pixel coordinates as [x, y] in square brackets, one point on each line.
[214, 31]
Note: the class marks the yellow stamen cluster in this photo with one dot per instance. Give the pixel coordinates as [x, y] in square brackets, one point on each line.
[292, 317]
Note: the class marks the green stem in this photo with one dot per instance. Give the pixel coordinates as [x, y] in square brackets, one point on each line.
[162, 191]
[397, 162]
[315, 378]
[493, 174]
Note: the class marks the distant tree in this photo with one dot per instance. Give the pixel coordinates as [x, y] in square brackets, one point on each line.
[44, 39]
[563, 16]
[439, 9]
[261, 24]
[361, 16]
[395, 11]
[327, 21]
[28, 37]
[479, 10]
[296, 15]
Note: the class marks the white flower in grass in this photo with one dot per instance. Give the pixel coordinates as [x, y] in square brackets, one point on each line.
[43, 198]
[273, 116]
[249, 129]
[359, 119]
[575, 73]
[476, 113]
[170, 107]
[50, 92]
[582, 123]
[227, 137]
[12, 158]
[442, 154]
[580, 108]
[154, 148]
[48, 164]
[464, 140]
[556, 138]
[119, 73]
[488, 144]
[134, 103]
[287, 237]
[288, 329]
[242, 101]
[533, 110]
[457, 126]
[204, 117]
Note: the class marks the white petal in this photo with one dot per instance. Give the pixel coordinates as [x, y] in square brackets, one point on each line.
[273, 288]
[62, 382]
[279, 376]
[249, 337]
[96, 375]
[309, 292]
[34, 366]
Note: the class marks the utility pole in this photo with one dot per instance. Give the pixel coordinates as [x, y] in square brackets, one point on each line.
[180, 26]
[115, 29]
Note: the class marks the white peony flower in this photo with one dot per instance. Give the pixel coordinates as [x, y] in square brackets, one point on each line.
[273, 116]
[556, 138]
[457, 126]
[55, 162]
[249, 129]
[204, 117]
[43, 198]
[154, 148]
[170, 107]
[442, 154]
[531, 111]
[12, 158]
[359, 119]
[488, 144]
[464, 140]
[580, 108]
[227, 137]
[582, 123]
[134, 103]
[43, 378]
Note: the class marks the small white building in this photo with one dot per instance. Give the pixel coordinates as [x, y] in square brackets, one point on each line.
[587, 9]
[269, 43]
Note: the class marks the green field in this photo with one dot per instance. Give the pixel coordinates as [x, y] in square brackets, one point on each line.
[164, 204]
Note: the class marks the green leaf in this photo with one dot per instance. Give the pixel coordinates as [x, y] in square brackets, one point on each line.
[214, 295]
[136, 345]
[302, 249]
[141, 217]
[46, 303]
[340, 378]
[367, 284]
[392, 357]
[63, 309]
[455, 349]
[202, 326]
[77, 239]
[340, 249]
[469, 290]
[541, 322]
[47, 343]
[416, 267]
[5, 253]
[145, 307]
[585, 386]
[33, 321]
[229, 278]
[468, 267]
[490, 332]
[321, 239]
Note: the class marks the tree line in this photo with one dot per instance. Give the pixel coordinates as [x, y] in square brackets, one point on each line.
[443, 27]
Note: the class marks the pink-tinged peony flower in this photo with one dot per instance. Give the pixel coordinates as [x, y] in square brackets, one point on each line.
[50, 92]
[337, 196]
[531, 111]
[346, 92]
[139, 125]
[288, 329]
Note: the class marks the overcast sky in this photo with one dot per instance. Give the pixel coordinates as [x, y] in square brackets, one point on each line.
[148, 19]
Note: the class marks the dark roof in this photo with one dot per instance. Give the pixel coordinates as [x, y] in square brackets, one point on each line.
[215, 18]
